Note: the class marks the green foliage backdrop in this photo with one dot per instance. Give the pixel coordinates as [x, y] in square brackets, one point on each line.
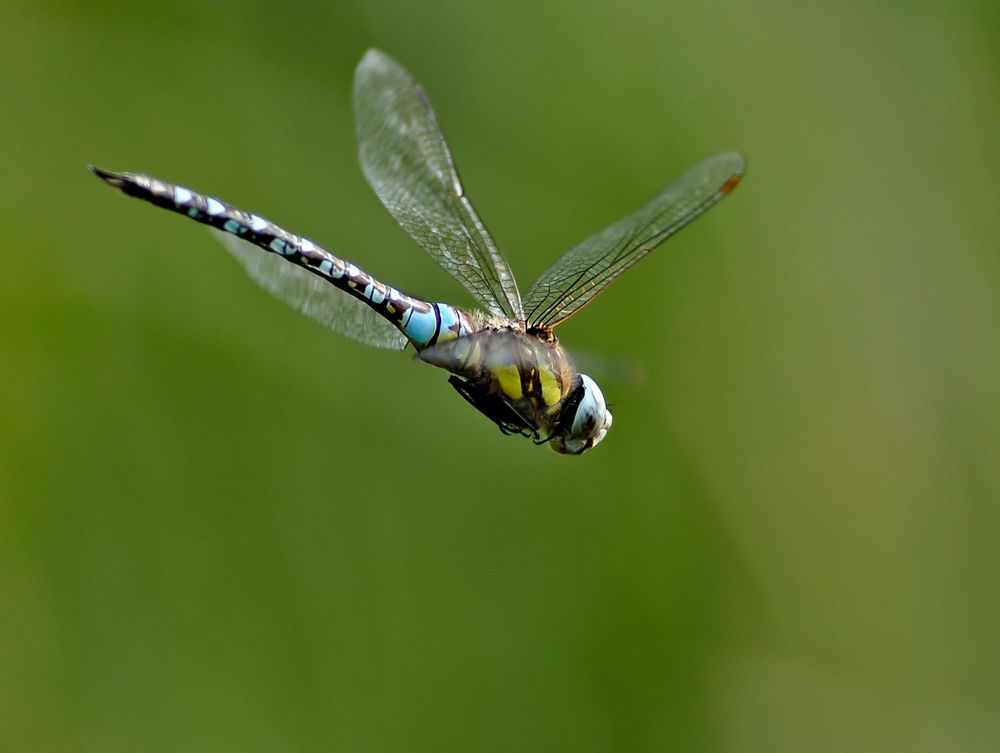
[223, 528]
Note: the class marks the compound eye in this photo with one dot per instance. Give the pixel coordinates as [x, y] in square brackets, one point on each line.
[590, 422]
[591, 411]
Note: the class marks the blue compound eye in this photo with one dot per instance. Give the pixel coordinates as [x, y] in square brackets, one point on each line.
[591, 411]
[591, 421]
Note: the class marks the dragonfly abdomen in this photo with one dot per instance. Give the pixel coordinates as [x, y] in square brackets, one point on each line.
[423, 323]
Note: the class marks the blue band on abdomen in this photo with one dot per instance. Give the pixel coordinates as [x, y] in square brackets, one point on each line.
[421, 326]
[452, 325]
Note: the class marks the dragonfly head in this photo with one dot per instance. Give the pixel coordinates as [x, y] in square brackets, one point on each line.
[584, 419]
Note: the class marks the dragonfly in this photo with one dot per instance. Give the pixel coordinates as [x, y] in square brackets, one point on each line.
[503, 356]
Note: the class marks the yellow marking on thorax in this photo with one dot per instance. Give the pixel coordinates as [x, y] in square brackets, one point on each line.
[476, 357]
[509, 379]
[467, 352]
[551, 389]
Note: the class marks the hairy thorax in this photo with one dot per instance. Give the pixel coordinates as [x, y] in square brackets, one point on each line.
[528, 369]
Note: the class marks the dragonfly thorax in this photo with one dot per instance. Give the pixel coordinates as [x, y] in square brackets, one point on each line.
[523, 380]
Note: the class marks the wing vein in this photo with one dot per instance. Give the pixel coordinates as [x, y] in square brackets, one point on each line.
[406, 160]
[584, 271]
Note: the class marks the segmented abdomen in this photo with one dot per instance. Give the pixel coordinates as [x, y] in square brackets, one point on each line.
[422, 322]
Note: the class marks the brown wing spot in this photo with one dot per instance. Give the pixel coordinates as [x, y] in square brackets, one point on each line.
[730, 184]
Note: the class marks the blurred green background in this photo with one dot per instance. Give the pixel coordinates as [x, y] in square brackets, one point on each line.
[223, 528]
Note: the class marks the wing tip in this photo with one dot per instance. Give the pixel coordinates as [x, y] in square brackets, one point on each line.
[375, 60]
[738, 165]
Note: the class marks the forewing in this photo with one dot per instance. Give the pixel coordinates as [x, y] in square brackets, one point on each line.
[313, 296]
[585, 270]
[406, 160]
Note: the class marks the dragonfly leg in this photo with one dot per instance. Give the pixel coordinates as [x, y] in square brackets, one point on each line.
[494, 407]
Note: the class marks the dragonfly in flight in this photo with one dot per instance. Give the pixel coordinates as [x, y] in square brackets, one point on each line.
[504, 358]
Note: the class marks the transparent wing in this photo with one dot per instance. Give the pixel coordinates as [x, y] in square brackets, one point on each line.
[406, 160]
[585, 270]
[311, 295]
